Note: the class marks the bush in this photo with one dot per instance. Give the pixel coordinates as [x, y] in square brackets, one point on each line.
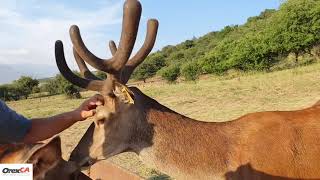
[9, 93]
[35, 90]
[3, 92]
[190, 71]
[170, 73]
[149, 68]
[20, 88]
[59, 85]
[24, 86]
[71, 91]
[188, 44]
[52, 87]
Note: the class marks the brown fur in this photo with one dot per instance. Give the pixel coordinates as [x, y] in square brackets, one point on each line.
[45, 157]
[276, 145]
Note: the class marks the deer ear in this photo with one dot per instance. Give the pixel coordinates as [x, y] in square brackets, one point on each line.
[124, 93]
[46, 157]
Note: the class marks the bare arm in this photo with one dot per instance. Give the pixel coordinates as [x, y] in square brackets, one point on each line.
[44, 128]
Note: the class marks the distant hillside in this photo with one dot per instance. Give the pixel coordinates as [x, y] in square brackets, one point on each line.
[262, 43]
[11, 72]
[8, 74]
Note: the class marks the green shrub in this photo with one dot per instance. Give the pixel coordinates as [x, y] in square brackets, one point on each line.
[59, 85]
[149, 67]
[9, 92]
[170, 73]
[35, 90]
[52, 87]
[190, 71]
[71, 91]
[21, 88]
[24, 86]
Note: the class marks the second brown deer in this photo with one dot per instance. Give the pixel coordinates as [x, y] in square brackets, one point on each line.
[45, 158]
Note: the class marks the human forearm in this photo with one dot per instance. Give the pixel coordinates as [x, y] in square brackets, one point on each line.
[44, 128]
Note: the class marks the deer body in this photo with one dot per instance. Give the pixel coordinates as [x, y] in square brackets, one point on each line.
[265, 145]
[280, 144]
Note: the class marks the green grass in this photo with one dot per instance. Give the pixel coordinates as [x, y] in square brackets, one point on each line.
[211, 98]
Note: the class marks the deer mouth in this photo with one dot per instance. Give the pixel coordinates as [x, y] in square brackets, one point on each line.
[88, 161]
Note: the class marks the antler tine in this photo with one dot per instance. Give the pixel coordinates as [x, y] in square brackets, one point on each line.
[93, 85]
[84, 53]
[152, 30]
[113, 47]
[131, 18]
[84, 70]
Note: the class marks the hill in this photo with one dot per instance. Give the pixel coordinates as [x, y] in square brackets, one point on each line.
[273, 40]
[10, 72]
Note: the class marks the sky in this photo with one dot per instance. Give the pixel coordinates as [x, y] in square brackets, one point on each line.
[29, 28]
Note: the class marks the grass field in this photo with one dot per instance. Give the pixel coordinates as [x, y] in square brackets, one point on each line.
[209, 99]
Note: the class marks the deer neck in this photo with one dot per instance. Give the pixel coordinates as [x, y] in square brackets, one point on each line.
[149, 114]
[169, 141]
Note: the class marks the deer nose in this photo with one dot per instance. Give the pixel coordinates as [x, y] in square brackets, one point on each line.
[86, 162]
[92, 161]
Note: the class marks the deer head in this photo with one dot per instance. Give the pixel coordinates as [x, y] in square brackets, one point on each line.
[114, 119]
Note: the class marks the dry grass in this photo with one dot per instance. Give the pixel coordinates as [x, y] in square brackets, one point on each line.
[209, 99]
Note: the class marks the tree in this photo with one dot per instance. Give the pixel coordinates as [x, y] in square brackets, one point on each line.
[170, 73]
[71, 91]
[59, 85]
[25, 85]
[190, 71]
[188, 44]
[4, 91]
[51, 86]
[149, 67]
[298, 24]
[9, 92]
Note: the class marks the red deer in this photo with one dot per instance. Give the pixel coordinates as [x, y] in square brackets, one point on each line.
[45, 157]
[264, 145]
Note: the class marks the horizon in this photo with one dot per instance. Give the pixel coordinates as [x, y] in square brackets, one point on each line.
[30, 28]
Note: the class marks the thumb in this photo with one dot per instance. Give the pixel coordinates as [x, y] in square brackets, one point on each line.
[87, 114]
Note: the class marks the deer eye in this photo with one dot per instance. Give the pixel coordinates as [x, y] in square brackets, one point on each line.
[101, 121]
[112, 95]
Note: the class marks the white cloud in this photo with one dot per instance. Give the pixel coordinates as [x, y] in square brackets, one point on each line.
[14, 52]
[27, 39]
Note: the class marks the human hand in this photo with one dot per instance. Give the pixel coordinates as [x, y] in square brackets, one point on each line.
[87, 108]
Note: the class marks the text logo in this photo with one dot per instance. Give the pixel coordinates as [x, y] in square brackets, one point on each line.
[16, 171]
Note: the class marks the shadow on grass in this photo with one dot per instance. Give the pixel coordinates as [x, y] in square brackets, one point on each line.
[248, 172]
[157, 175]
[160, 177]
